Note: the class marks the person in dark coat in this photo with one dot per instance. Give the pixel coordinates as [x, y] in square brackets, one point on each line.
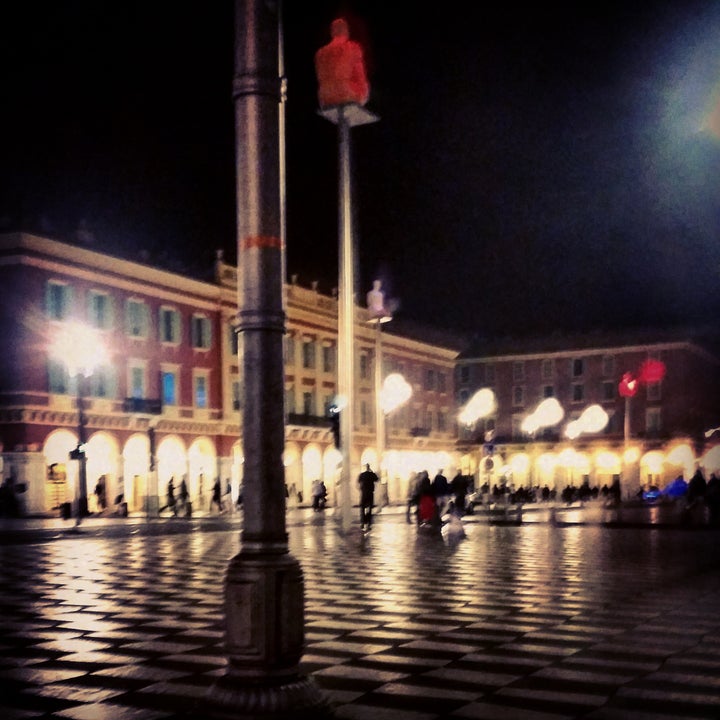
[441, 490]
[712, 500]
[170, 503]
[459, 487]
[217, 496]
[366, 481]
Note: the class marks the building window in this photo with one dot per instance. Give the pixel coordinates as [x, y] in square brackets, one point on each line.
[548, 369]
[99, 310]
[328, 358]
[169, 387]
[200, 390]
[518, 395]
[653, 424]
[136, 381]
[364, 366]
[463, 396]
[464, 374]
[608, 366]
[102, 382]
[328, 402]
[430, 380]
[234, 341]
[654, 391]
[489, 374]
[578, 392]
[57, 378]
[137, 319]
[578, 367]
[169, 326]
[442, 382]
[308, 354]
[236, 401]
[290, 399]
[517, 432]
[441, 421]
[548, 391]
[608, 390]
[308, 404]
[58, 300]
[518, 370]
[364, 415]
[201, 332]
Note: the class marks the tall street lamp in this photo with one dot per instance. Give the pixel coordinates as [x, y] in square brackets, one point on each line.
[264, 587]
[395, 391]
[78, 347]
[343, 92]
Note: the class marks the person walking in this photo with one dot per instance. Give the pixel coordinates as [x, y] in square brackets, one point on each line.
[170, 502]
[183, 503]
[217, 497]
[366, 482]
[441, 490]
[459, 486]
[413, 497]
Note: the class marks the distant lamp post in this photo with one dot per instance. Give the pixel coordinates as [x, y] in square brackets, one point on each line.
[343, 90]
[379, 315]
[79, 348]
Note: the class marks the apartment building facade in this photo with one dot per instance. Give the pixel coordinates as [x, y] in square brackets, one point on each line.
[664, 430]
[164, 400]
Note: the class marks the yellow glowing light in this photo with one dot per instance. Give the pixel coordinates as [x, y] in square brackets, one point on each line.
[520, 464]
[573, 429]
[481, 404]
[80, 348]
[653, 461]
[607, 461]
[549, 412]
[395, 391]
[631, 455]
[593, 419]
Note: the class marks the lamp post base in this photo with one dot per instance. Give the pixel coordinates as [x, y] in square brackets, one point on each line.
[300, 699]
[264, 635]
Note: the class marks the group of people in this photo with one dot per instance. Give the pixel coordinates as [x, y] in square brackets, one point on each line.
[429, 500]
[181, 503]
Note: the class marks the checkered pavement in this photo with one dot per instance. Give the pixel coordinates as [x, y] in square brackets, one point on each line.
[527, 622]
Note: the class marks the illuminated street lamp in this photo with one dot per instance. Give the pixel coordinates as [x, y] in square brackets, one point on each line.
[480, 405]
[78, 347]
[379, 315]
[593, 420]
[549, 412]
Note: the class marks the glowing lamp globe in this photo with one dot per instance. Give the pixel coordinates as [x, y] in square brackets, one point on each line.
[593, 419]
[651, 371]
[628, 386]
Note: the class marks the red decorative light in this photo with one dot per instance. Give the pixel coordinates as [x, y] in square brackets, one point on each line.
[652, 371]
[628, 386]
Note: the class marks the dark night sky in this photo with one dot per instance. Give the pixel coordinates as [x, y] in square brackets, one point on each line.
[536, 166]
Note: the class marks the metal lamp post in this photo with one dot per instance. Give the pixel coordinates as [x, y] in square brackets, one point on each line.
[394, 392]
[378, 317]
[80, 349]
[264, 589]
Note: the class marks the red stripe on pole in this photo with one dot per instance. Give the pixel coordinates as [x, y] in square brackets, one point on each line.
[260, 241]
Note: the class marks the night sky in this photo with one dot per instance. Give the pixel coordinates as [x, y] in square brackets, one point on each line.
[537, 167]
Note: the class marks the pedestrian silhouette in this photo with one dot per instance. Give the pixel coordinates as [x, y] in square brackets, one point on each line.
[366, 481]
